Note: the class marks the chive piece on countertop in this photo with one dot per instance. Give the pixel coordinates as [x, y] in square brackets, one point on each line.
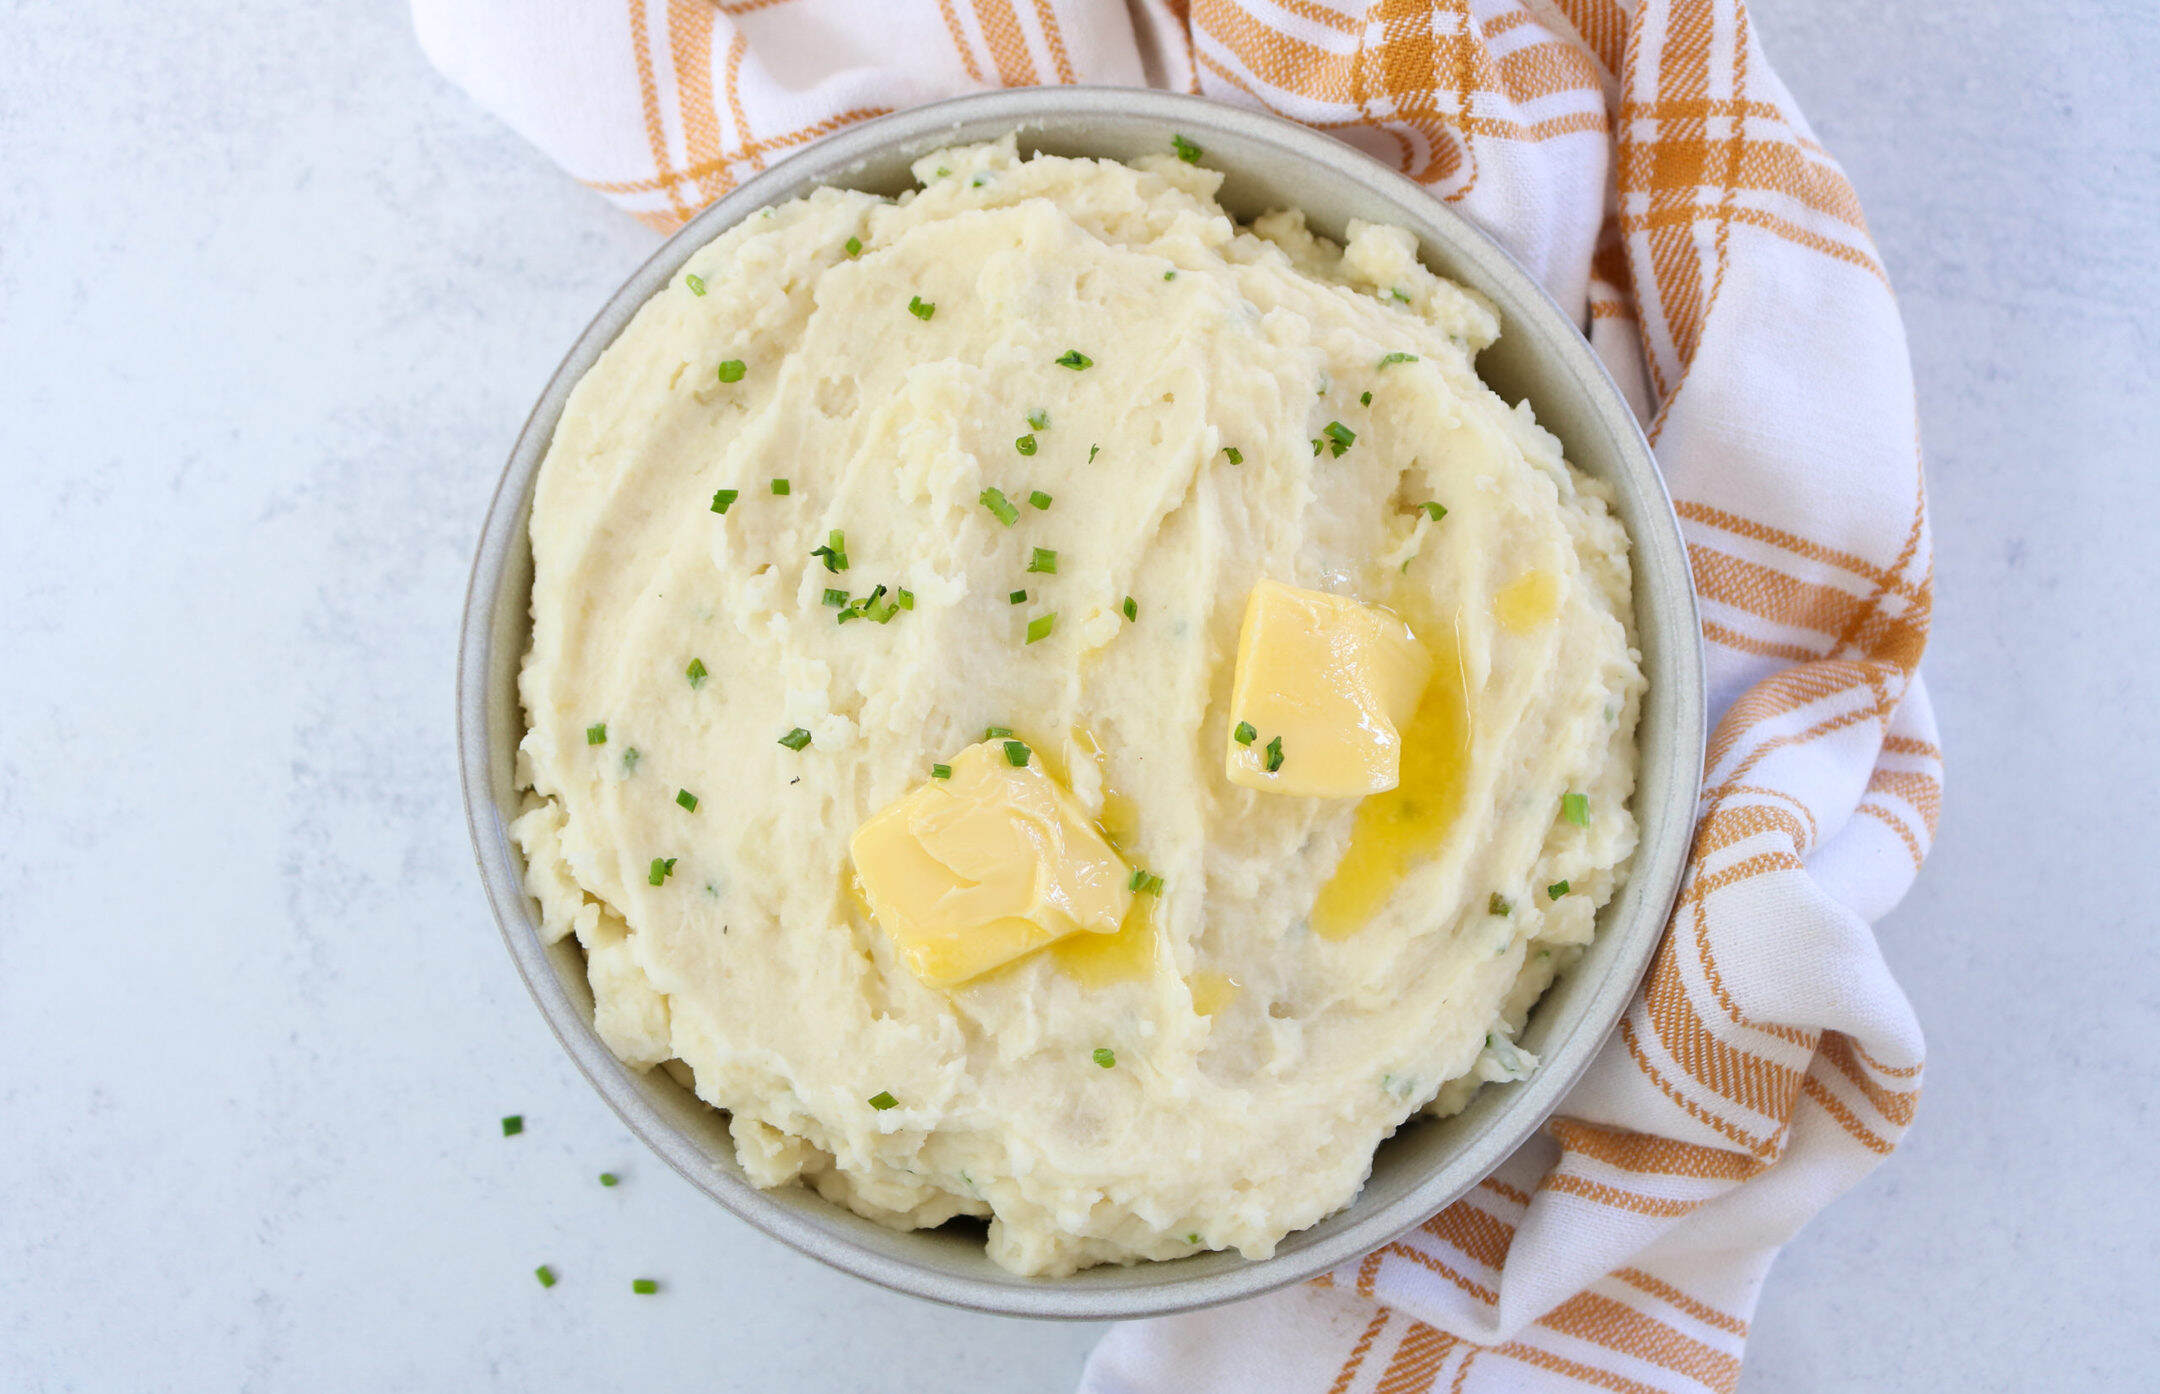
[1038, 419]
[1433, 510]
[1245, 734]
[1556, 890]
[883, 1100]
[1364, 399]
[1576, 809]
[1038, 498]
[991, 733]
[1043, 560]
[1274, 755]
[1000, 507]
[1237, 456]
[920, 308]
[1499, 905]
[854, 246]
[660, 870]
[1398, 358]
[780, 486]
[1186, 150]
[722, 499]
[796, 739]
[596, 734]
[644, 1287]
[546, 1275]
[1074, 359]
[687, 799]
[695, 282]
[1016, 597]
[1016, 754]
[513, 1125]
[1040, 626]
[732, 370]
[1104, 1056]
[941, 772]
[609, 1178]
[1025, 445]
[695, 672]
[1131, 608]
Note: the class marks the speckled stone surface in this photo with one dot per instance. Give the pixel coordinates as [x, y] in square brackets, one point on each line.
[273, 302]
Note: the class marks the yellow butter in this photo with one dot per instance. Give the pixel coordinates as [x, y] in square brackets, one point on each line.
[1528, 601]
[968, 873]
[1335, 680]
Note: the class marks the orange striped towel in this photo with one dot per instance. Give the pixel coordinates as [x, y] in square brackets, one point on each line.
[1640, 157]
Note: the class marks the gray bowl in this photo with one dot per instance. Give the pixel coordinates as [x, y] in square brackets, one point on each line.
[1541, 355]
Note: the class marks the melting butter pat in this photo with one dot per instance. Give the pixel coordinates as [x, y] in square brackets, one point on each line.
[968, 873]
[1334, 680]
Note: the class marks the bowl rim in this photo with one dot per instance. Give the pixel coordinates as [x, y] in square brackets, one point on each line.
[1653, 879]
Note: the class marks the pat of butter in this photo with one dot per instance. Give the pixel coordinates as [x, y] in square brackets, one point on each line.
[1335, 680]
[968, 873]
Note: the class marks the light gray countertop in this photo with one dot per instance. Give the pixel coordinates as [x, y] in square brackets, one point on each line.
[274, 299]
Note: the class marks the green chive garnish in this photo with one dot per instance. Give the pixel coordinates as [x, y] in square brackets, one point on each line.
[1398, 358]
[1274, 755]
[834, 552]
[1433, 510]
[1364, 399]
[941, 772]
[834, 598]
[1000, 507]
[1016, 754]
[1318, 445]
[854, 246]
[546, 1275]
[1576, 809]
[513, 1125]
[921, 308]
[687, 799]
[1043, 560]
[1016, 597]
[1104, 1056]
[1131, 608]
[1237, 456]
[796, 739]
[1144, 882]
[695, 282]
[1342, 436]
[991, 733]
[1400, 294]
[1039, 499]
[630, 758]
[609, 1178]
[695, 672]
[1556, 890]
[904, 598]
[644, 1287]
[883, 1100]
[732, 370]
[596, 734]
[780, 486]
[724, 497]
[1091, 453]
[1039, 627]
[1245, 734]
[660, 870]
[1075, 360]
[1038, 419]
[1169, 275]
[1499, 905]
[1186, 150]
[1025, 445]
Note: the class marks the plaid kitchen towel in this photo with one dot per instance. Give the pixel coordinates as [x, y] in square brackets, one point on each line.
[1641, 159]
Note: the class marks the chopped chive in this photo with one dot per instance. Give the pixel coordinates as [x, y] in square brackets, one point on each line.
[1193, 1238]
[1016, 754]
[991, 733]
[1400, 294]
[1104, 1056]
[1576, 809]
[1039, 627]
[695, 282]
[696, 672]
[1186, 150]
[687, 799]
[904, 598]
[1245, 734]
[877, 608]
[644, 1287]
[780, 486]
[1000, 507]
[1169, 275]
[596, 734]
[660, 870]
[1556, 890]
[630, 758]
[1499, 904]
[1016, 597]
[1433, 510]
[546, 1275]
[920, 308]
[883, 1100]
[941, 772]
[1091, 453]
[609, 1178]
[1043, 560]
[1075, 360]
[796, 739]
[834, 552]
[1144, 882]
[722, 498]
[854, 246]
[1038, 498]
[1318, 445]
[1274, 755]
[513, 1125]
[1364, 399]
[1237, 456]
[1131, 608]
[834, 598]
[1025, 445]
[1342, 435]
[1398, 358]
[1039, 419]
[732, 370]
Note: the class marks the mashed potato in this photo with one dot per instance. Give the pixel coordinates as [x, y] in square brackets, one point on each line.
[1174, 408]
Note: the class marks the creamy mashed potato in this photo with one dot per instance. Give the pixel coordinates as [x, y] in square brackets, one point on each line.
[1177, 407]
